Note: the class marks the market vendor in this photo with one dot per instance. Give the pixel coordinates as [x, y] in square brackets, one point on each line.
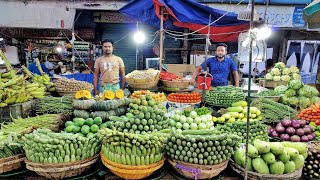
[108, 67]
[34, 68]
[219, 67]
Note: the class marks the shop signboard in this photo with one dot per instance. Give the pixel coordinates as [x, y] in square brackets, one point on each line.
[111, 17]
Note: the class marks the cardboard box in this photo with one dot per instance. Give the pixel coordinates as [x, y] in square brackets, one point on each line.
[181, 69]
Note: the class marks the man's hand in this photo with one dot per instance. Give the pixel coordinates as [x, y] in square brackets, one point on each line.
[192, 81]
[96, 92]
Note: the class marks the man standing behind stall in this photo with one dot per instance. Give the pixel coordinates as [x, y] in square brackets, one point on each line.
[108, 67]
[219, 67]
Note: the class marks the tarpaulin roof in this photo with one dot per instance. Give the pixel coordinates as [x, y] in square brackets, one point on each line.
[187, 14]
[312, 15]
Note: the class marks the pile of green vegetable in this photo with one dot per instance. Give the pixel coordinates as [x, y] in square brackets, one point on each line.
[9, 147]
[268, 92]
[257, 130]
[281, 73]
[273, 111]
[132, 149]
[84, 127]
[224, 96]
[193, 121]
[54, 105]
[45, 146]
[272, 158]
[296, 94]
[203, 147]
[104, 109]
[141, 117]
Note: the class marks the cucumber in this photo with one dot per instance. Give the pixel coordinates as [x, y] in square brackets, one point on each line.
[67, 159]
[138, 161]
[151, 159]
[142, 161]
[133, 160]
[60, 159]
[123, 159]
[128, 160]
[73, 158]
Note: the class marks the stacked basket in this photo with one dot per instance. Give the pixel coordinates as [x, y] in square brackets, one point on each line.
[146, 79]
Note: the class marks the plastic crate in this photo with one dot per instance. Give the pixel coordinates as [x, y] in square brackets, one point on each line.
[17, 110]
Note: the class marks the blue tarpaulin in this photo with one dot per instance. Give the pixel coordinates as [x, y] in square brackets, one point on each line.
[187, 14]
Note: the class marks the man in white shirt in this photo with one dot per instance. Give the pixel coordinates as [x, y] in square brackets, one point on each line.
[49, 65]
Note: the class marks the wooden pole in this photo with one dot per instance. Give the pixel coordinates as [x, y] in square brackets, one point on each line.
[161, 39]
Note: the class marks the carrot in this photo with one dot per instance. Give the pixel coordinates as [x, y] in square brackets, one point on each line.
[317, 105]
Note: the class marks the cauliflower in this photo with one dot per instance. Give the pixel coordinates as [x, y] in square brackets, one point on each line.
[286, 71]
[294, 69]
[280, 65]
[296, 76]
[285, 78]
[269, 76]
[276, 78]
[275, 72]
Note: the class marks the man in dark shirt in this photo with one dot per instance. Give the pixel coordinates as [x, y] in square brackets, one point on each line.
[219, 67]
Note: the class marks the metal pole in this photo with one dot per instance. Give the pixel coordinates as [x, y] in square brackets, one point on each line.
[137, 48]
[206, 58]
[249, 90]
[161, 39]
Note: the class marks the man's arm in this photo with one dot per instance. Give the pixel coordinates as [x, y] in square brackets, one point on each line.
[123, 77]
[195, 74]
[236, 78]
[95, 80]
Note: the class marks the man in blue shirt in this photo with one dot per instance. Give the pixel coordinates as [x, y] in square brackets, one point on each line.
[34, 69]
[219, 67]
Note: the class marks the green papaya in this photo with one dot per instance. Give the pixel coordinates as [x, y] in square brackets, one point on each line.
[299, 146]
[269, 158]
[260, 166]
[277, 168]
[284, 157]
[276, 148]
[252, 151]
[262, 146]
[293, 153]
[298, 161]
[289, 167]
[238, 156]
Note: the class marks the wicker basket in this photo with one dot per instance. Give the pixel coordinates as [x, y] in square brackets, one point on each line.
[182, 84]
[61, 170]
[148, 85]
[70, 93]
[131, 172]
[257, 176]
[11, 163]
[195, 171]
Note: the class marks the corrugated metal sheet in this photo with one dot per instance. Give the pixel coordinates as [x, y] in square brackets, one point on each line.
[124, 48]
[172, 56]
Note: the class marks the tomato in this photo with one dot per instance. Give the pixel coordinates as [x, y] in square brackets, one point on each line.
[318, 122]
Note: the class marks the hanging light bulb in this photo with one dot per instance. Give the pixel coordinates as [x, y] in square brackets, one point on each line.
[139, 37]
[264, 33]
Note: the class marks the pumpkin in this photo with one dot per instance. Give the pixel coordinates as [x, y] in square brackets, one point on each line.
[108, 95]
[105, 105]
[119, 93]
[83, 104]
[81, 113]
[83, 94]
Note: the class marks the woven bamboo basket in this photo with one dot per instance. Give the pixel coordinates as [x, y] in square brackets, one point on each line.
[131, 172]
[195, 171]
[61, 170]
[257, 176]
[182, 84]
[11, 163]
[70, 93]
[147, 85]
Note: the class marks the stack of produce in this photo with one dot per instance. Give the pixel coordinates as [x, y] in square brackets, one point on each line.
[316, 127]
[143, 115]
[72, 85]
[203, 147]
[159, 97]
[311, 168]
[84, 127]
[105, 109]
[268, 93]
[55, 105]
[164, 75]
[191, 121]
[224, 96]
[9, 147]
[145, 76]
[310, 114]
[280, 73]
[273, 111]
[272, 158]
[132, 149]
[239, 111]
[292, 130]
[185, 97]
[257, 130]
[45, 146]
[296, 94]
[200, 111]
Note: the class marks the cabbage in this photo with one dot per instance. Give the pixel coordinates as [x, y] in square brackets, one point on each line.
[280, 65]
[286, 71]
[294, 69]
[281, 89]
[315, 100]
[275, 72]
[294, 101]
[314, 91]
[285, 100]
[304, 102]
[276, 78]
[305, 91]
[269, 76]
[295, 84]
[290, 92]
[285, 78]
[296, 76]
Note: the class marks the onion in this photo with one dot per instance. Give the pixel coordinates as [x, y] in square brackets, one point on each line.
[290, 131]
[285, 137]
[307, 130]
[274, 134]
[270, 129]
[313, 135]
[302, 123]
[286, 122]
[300, 132]
[307, 126]
[310, 137]
[304, 138]
[280, 129]
[295, 123]
[295, 138]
